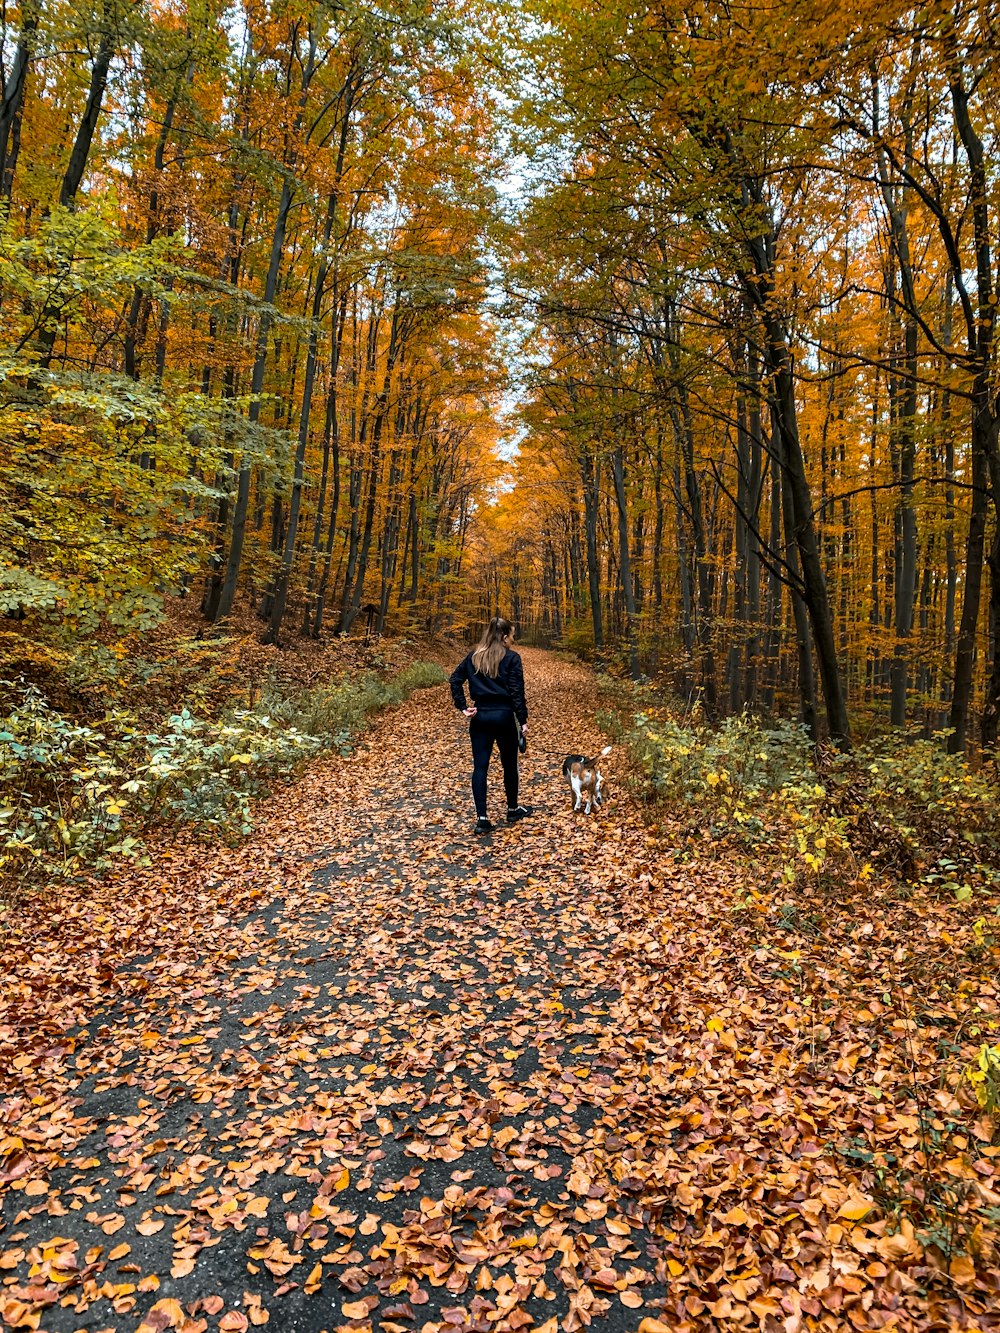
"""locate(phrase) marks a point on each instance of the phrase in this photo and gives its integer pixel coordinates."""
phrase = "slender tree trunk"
(284, 572)
(804, 529)
(152, 226)
(985, 459)
(75, 169)
(625, 559)
(242, 504)
(905, 423)
(12, 98)
(591, 505)
(906, 582)
(975, 549)
(353, 602)
(772, 643)
(800, 614)
(80, 154)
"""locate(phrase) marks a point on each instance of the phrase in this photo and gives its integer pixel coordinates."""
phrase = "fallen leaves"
(550, 1082)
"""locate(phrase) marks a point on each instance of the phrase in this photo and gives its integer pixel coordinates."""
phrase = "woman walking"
(495, 678)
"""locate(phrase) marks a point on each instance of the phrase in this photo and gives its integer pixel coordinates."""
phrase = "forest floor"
(365, 1071)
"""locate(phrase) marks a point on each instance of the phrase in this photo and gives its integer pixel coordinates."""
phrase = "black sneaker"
(521, 812)
(483, 826)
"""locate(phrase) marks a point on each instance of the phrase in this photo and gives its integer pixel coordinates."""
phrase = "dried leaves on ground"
(367, 1072)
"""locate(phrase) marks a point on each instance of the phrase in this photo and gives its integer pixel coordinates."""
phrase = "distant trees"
(782, 221)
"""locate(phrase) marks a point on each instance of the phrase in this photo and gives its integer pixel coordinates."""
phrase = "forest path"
(366, 1072)
(407, 1092)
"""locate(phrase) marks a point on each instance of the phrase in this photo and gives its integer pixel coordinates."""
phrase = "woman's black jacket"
(492, 694)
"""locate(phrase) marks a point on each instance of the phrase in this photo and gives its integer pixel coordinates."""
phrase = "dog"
(585, 779)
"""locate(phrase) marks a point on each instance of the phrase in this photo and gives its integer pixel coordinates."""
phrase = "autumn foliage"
(330, 329)
(759, 270)
(247, 353)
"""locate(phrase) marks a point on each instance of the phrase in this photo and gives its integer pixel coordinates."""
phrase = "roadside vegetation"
(82, 786)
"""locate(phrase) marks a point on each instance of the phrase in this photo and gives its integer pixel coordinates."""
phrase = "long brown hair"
(488, 652)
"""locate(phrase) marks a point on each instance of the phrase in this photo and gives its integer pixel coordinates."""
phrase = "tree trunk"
(284, 573)
(77, 164)
(591, 503)
(242, 504)
(800, 614)
(74, 175)
(975, 548)
(12, 99)
(625, 559)
(804, 529)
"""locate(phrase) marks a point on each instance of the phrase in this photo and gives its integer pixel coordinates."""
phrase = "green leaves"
(84, 795)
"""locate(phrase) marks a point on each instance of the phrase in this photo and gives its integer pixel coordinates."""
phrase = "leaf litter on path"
(367, 1072)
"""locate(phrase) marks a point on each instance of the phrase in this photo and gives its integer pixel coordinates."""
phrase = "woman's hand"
(524, 728)
(469, 712)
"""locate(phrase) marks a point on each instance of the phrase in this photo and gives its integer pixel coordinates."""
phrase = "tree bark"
(12, 98)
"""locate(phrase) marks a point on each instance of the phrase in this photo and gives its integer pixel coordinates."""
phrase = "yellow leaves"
(651, 1325)
(257, 1207)
(983, 1074)
(165, 1313)
(727, 1039)
(962, 1270)
(342, 1181)
(855, 1208)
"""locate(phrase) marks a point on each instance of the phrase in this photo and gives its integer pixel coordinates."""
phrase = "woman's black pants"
(485, 730)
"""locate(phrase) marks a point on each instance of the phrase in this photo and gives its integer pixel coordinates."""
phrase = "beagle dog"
(585, 779)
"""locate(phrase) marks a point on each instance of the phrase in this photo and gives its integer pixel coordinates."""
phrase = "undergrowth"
(895, 805)
(74, 796)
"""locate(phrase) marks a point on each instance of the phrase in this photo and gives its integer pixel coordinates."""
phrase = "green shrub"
(894, 801)
(336, 712)
(75, 796)
(420, 676)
